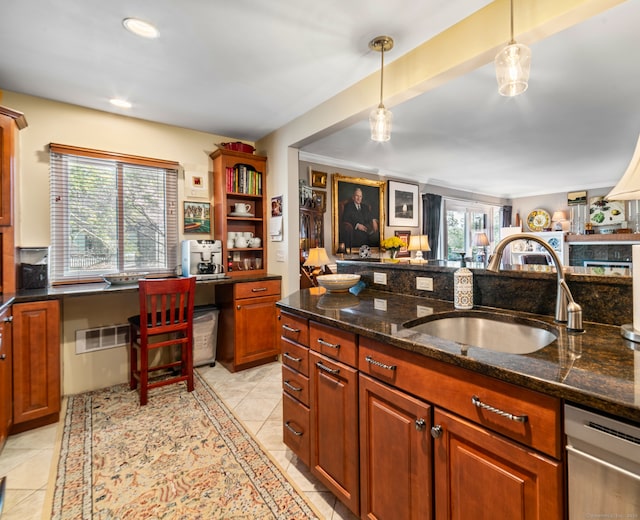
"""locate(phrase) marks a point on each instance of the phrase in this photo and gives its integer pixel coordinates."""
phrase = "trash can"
(205, 335)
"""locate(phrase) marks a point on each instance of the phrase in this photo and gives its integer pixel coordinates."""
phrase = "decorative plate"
(554, 243)
(365, 251)
(538, 220)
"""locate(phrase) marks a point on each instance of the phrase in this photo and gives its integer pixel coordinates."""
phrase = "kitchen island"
(359, 386)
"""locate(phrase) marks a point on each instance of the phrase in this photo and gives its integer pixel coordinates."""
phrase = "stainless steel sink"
(498, 332)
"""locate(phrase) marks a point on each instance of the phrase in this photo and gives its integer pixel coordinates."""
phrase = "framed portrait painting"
(197, 217)
(358, 213)
(318, 179)
(403, 204)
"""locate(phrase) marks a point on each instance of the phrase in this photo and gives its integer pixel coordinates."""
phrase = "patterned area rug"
(182, 456)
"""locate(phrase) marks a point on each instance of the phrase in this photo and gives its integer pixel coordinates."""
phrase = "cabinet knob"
(436, 431)
(238, 307)
(8, 319)
(420, 424)
(3, 357)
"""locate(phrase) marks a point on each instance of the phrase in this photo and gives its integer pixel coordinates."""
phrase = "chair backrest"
(167, 304)
(535, 259)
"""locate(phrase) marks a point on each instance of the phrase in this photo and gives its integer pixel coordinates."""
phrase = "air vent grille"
(101, 338)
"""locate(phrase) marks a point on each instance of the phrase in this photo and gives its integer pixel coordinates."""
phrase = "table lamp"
(481, 241)
(419, 243)
(559, 217)
(628, 188)
(317, 259)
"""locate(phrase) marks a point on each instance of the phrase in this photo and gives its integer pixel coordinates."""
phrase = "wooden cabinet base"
(35, 423)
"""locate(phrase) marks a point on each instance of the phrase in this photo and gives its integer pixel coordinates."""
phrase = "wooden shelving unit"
(240, 178)
(603, 238)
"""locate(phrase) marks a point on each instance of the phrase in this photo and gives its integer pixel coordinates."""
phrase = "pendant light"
(380, 118)
(513, 64)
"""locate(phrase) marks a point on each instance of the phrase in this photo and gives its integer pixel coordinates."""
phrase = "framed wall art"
(575, 198)
(403, 204)
(318, 179)
(196, 185)
(197, 217)
(358, 213)
(405, 236)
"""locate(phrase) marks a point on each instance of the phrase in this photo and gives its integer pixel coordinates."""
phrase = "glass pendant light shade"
(380, 120)
(513, 64)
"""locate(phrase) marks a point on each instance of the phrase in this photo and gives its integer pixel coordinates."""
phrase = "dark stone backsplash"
(604, 299)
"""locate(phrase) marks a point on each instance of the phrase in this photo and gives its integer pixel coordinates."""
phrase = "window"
(111, 213)
(463, 219)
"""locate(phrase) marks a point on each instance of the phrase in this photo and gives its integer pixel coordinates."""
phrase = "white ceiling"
(246, 67)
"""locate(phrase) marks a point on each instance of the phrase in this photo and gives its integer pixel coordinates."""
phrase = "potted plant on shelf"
(393, 245)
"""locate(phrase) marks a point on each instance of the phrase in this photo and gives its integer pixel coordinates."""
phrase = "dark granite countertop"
(88, 289)
(598, 368)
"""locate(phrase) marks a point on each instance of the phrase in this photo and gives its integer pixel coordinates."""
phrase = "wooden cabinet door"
(395, 454)
(36, 361)
(334, 428)
(6, 412)
(257, 330)
(481, 475)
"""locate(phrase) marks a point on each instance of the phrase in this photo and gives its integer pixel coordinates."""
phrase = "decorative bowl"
(338, 282)
(123, 278)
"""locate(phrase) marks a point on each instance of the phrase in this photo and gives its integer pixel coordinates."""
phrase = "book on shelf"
(243, 179)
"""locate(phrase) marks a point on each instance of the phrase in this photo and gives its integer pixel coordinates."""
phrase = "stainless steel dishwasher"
(604, 466)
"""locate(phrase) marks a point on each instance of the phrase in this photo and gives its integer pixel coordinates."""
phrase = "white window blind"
(111, 213)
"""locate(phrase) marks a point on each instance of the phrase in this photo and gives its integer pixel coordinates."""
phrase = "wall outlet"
(280, 255)
(380, 278)
(380, 304)
(424, 284)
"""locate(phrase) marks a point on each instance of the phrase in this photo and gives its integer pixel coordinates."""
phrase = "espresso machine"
(202, 259)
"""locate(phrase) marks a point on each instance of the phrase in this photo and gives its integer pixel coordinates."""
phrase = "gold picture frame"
(370, 232)
(318, 179)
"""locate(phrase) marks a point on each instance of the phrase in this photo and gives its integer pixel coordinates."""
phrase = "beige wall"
(68, 124)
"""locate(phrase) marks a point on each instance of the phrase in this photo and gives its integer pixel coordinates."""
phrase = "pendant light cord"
(382, 72)
(512, 40)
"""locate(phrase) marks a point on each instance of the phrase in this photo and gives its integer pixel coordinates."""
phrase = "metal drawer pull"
(293, 430)
(436, 431)
(372, 361)
(327, 369)
(289, 329)
(421, 424)
(258, 289)
(291, 387)
(327, 344)
(518, 418)
(291, 358)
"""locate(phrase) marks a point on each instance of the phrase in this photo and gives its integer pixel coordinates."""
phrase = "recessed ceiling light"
(120, 103)
(140, 27)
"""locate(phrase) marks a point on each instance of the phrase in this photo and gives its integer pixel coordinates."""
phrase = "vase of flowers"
(393, 245)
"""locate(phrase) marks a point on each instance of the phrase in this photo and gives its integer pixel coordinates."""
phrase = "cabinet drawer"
(295, 427)
(333, 343)
(474, 396)
(253, 289)
(294, 328)
(295, 384)
(295, 356)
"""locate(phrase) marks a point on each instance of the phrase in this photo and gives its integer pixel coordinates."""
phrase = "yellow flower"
(392, 243)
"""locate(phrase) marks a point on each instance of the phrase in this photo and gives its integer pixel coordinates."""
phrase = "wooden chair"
(167, 307)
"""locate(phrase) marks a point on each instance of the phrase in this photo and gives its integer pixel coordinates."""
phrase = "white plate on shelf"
(237, 214)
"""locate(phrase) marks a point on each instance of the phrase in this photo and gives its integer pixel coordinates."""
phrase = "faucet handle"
(574, 317)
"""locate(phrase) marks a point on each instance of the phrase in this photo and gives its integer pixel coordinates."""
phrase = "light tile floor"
(255, 397)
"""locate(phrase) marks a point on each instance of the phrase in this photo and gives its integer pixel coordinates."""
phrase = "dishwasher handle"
(608, 465)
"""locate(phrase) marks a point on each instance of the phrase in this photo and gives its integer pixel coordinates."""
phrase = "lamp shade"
(419, 243)
(317, 257)
(480, 239)
(559, 216)
(513, 64)
(380, 121)
(628, 187)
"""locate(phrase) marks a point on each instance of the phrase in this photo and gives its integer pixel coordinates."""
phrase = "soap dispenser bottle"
(463, 288)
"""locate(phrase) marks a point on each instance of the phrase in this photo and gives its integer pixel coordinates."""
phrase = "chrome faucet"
(567, 310)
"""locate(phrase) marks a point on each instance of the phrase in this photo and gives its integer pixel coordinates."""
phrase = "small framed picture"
(197, 217)
(575, 198)
(405, 236)
(403, 204)
(320, 199)
(318, 179)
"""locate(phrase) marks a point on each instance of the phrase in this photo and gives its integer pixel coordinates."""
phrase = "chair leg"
(189, 367)
(144, 373)
(133, 361)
